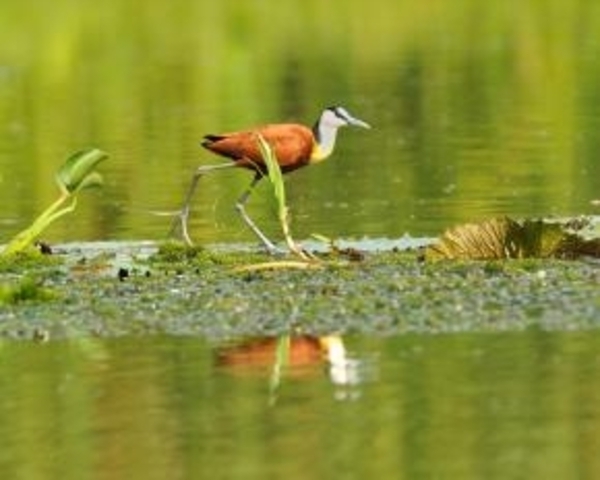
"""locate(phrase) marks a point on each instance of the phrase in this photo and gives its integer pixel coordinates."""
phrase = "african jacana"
(294, 146)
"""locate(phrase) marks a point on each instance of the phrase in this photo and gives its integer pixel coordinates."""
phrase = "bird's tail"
(208, 140)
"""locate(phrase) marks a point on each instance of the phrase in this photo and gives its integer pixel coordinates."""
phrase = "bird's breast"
(318, 154)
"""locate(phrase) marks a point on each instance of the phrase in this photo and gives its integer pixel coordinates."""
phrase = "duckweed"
(182, 291)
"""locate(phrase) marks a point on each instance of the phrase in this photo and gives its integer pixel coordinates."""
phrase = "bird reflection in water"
(298, 356)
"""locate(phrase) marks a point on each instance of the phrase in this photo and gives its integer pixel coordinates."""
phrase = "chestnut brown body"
(292, 144)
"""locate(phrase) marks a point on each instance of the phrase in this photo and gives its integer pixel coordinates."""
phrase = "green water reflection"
(463, 406)
(478, 109)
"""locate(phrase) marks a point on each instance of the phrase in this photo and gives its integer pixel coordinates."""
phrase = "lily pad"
(503, 237)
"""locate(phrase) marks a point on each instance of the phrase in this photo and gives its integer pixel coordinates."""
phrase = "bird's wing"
(291, 143)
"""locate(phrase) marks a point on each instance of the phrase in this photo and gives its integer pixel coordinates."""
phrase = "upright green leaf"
(77, 173)
(276, 179)
(78, 170)
(274, 173)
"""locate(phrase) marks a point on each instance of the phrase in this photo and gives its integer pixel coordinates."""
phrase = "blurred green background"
(478, 109)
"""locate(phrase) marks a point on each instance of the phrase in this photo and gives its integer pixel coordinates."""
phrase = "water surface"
(460, 406)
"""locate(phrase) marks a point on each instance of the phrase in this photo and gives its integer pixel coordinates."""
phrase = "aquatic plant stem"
(53, 212)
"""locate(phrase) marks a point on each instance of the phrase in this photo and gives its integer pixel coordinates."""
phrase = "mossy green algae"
(181, 292)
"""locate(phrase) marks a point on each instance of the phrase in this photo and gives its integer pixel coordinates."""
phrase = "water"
(476, 112)
(461, 406)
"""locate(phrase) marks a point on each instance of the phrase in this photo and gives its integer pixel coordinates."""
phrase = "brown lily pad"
(503, 237)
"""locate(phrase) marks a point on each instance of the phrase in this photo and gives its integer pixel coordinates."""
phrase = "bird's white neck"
(325, 136)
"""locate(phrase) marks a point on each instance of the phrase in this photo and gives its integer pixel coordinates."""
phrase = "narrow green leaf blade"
(273, 169)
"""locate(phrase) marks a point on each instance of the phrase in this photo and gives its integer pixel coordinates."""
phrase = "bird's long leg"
(182, 218)
(240, 207)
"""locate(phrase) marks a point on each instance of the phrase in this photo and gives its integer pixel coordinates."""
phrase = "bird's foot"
(298, 250)
(179, 227)
(274, 250)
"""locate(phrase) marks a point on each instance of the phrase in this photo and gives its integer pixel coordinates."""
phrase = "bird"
(294, 146)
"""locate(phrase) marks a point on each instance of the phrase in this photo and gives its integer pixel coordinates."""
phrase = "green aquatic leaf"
(93, 180)
(77, 173)
(540, 239)
(275, 177)
(274, 174)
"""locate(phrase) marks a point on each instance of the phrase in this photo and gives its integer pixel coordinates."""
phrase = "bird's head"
(335, 117)
(325, 130)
